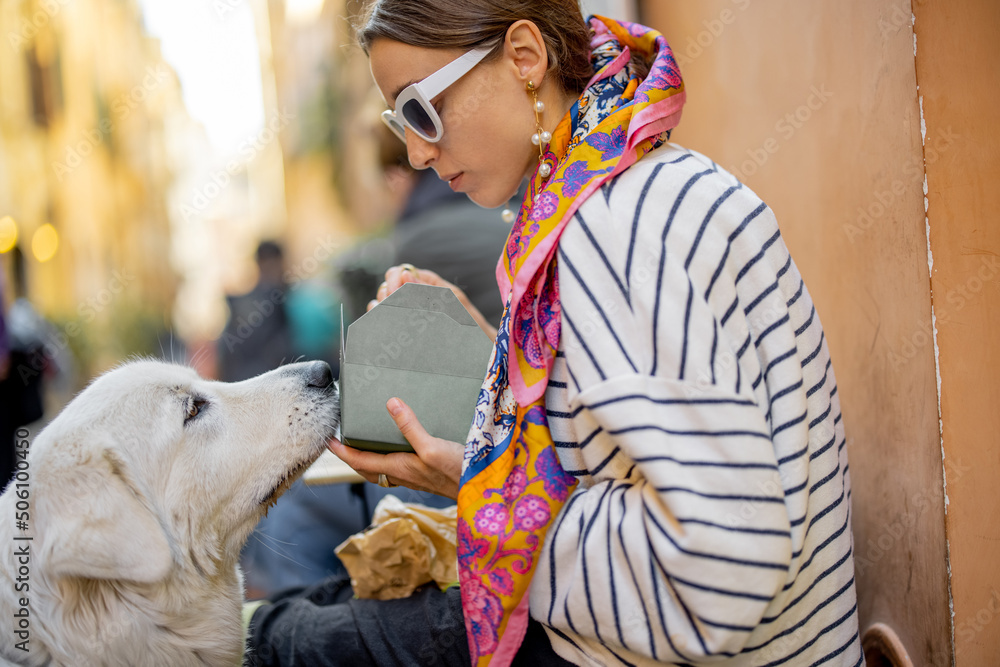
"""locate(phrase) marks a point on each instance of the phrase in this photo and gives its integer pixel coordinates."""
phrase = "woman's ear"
(525, 49)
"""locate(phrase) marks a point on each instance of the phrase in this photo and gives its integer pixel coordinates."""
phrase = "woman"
(657, 470)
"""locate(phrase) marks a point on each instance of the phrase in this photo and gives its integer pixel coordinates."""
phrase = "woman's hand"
(436, 465)
(396, 276)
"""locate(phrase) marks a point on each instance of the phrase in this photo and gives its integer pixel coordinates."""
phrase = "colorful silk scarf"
(513, 485)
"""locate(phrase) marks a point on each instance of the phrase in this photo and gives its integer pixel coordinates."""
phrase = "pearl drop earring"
(540, 138)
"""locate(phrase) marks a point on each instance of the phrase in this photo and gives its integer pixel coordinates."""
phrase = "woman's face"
(485, 149)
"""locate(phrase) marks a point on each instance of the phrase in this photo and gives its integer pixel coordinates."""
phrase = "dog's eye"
(195, 406)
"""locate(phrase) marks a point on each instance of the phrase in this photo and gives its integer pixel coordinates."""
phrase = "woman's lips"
(454, 181)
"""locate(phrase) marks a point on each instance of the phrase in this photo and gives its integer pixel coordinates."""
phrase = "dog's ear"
(99, 526)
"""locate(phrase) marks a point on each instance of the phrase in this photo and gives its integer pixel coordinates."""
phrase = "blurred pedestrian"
(257, 337)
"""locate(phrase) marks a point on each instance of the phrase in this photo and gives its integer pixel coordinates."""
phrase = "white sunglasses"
(414, 103)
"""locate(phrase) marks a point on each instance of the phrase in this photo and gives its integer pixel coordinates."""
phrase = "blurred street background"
(148, 147)
(208, 181)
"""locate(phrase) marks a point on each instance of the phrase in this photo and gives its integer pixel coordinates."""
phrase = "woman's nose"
(421, 153)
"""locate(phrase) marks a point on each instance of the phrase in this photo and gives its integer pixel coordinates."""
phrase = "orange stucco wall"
(815, 106)
(958, 67)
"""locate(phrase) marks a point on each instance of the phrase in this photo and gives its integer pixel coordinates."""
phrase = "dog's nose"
(318, 374)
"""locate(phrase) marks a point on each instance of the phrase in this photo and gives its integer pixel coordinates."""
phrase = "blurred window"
(45, 77)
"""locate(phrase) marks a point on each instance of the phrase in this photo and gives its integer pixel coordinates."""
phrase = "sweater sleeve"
(679, 556)
(678, 539)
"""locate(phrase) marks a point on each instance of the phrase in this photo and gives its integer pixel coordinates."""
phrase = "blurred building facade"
(334, 176)
(133, 227)
(85, 106)
(223, 205)
(333, 181)
(130, 225)
(341, 198)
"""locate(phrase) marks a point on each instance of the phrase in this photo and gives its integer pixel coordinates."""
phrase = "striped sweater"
(693, 397)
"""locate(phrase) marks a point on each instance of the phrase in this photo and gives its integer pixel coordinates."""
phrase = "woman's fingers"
(355, 458)
(397, 276)
(399, 467)
(441, 459)
(435, 466)
(407, 423)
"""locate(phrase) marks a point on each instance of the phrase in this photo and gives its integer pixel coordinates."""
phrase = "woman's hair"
(465, 24)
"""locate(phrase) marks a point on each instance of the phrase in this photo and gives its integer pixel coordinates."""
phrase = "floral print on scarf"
(513, 485)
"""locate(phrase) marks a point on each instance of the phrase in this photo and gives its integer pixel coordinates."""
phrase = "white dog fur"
(141, 494)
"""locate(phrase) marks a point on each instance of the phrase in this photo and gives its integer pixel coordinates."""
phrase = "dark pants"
(324, 625)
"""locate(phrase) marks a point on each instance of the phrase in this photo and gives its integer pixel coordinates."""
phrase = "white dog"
(137, 499)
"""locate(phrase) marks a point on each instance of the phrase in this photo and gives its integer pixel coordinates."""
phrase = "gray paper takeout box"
(421, 345)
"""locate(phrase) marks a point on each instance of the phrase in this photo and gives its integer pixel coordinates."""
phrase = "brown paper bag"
(407, 546)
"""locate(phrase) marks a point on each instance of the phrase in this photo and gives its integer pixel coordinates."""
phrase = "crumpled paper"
(407, 545)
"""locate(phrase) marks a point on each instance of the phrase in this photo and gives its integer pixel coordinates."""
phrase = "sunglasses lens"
(398, 128)
(389, 118)
(417, 117)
